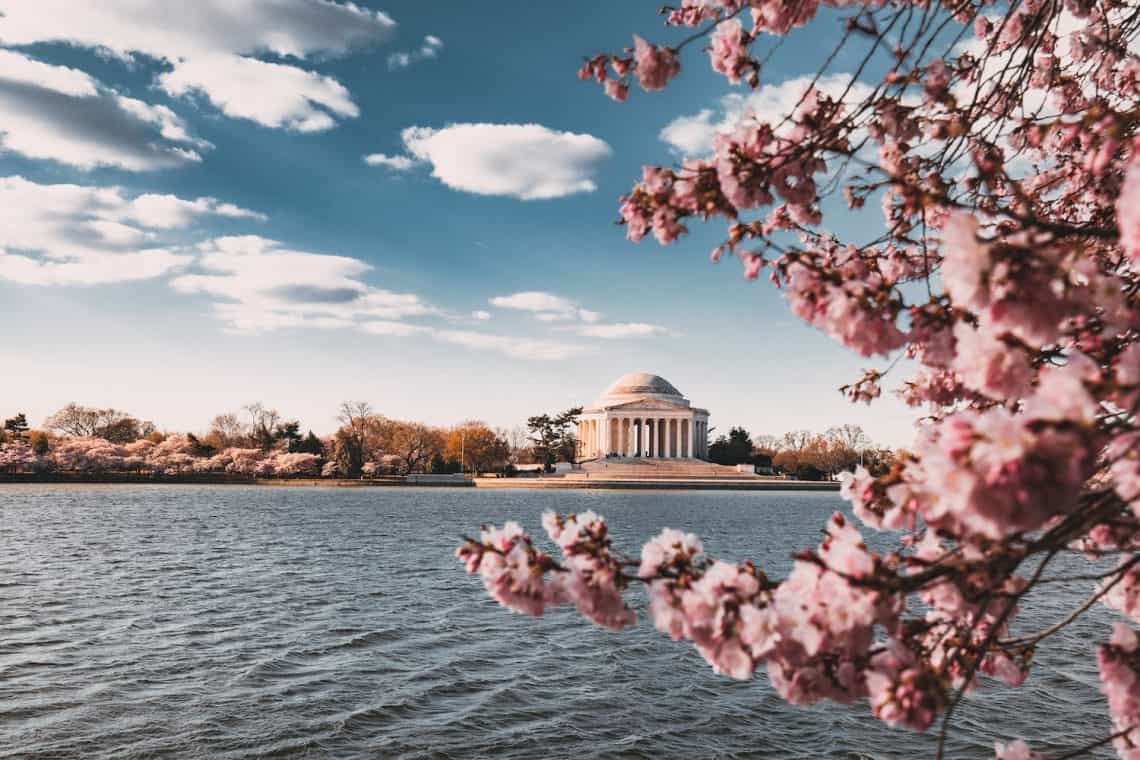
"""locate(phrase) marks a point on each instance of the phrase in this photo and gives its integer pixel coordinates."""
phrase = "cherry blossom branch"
(1033, 638)
(1099, 743)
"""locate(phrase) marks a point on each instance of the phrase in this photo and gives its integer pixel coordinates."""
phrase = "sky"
(301, 202)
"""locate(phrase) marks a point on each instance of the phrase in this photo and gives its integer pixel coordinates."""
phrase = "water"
(224, 622)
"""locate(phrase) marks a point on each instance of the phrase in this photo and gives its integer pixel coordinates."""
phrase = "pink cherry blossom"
(1128, 212)
(729, 50)
(655, 65)
(512, 570)
(1015, 750)
(992, 241)
(594, 582)
(1120, 681)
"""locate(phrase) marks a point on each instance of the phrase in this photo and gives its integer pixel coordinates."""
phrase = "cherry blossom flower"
(655, 65)
(1119, 665)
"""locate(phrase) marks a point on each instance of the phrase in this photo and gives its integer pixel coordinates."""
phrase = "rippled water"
(146, 621)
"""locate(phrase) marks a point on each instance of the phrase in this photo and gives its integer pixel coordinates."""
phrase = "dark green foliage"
(310, 444)
(198, 448)
(735, 448)
(17, 425)
(553, 437)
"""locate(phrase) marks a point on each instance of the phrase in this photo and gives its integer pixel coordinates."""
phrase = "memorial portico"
(643, 415)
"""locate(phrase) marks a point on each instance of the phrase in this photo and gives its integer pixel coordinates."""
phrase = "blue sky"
(189, 222)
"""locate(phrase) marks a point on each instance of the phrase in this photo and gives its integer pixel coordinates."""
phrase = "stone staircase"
(647, 468)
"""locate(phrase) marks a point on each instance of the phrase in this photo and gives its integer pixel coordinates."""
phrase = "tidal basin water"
(226, 622)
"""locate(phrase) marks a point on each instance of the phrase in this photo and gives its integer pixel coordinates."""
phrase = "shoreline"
(676, 484)
(397, 482)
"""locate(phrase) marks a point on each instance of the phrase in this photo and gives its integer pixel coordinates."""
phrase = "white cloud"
(428, 49)
(395, 163)
(551, 308)
(506, 345)
(170, 211)
(67, 234)
(16, 67)
(209, 45)
(481, 315)
(619, 330)
(265, 286)
(62, 114)
(527, 161)
(535, 300)
(547, 307)
(519, 348)
(161, 29)
(271, 94)
(389, 327)
(693, 135)
(90, 268)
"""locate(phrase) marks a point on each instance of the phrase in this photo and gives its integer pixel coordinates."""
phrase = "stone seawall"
(222, 480)
(672, 484)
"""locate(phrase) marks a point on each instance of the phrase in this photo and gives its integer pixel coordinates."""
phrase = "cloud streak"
(551, 308)
(67, 234)
(261, 285)
(620, 330)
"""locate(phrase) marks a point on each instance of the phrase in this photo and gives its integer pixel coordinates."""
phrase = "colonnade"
(628, 435)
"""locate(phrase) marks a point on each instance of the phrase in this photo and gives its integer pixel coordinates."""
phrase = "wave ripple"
(232, 622)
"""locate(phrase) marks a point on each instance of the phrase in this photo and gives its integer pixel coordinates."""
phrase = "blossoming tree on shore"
(1000, 141)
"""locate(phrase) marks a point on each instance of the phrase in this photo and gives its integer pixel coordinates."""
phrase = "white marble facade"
(643, 415)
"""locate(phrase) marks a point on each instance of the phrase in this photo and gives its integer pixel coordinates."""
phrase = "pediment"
(649, 405)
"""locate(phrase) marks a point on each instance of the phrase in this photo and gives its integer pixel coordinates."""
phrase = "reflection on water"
(146, 621)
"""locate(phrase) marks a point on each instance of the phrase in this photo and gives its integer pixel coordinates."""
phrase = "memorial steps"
(650, 468)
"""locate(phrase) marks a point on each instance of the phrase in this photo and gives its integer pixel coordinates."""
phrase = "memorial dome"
(637, 383)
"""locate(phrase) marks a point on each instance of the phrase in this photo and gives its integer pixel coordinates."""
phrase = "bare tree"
(228, 429)
(354, 417)
(83, 421)
(412, 442)
(263, 423)
(851, 436)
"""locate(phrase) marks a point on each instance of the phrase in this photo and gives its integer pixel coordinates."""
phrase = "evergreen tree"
(18, 425)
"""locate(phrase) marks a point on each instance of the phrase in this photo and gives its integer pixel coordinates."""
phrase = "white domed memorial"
(643, 415)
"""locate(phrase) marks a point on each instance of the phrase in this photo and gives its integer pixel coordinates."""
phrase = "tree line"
(804, 454)
(260, 440)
